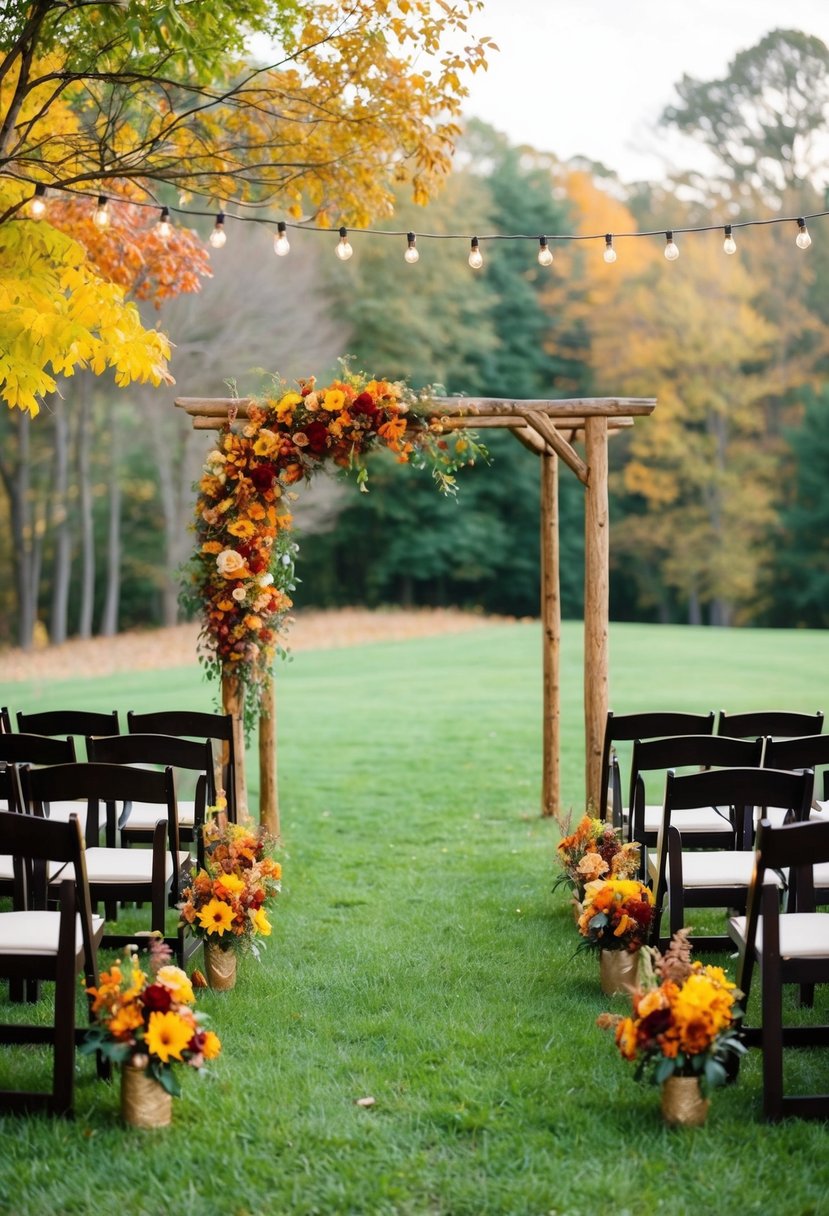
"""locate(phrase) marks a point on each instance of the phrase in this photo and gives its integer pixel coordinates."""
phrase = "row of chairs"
(711, 852)
(56, 869)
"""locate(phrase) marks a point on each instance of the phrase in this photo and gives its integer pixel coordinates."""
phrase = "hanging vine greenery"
(240, 577)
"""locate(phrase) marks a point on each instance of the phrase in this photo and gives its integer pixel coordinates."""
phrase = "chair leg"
(772, 1040)
(64, 1026)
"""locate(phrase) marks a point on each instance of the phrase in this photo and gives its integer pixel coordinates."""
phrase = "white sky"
(590, 77)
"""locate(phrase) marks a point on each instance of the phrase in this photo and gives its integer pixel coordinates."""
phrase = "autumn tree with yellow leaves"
(164, 94)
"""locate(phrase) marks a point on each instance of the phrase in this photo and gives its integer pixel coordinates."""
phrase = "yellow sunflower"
(216, 917)
(260, 922)
(167, 1036)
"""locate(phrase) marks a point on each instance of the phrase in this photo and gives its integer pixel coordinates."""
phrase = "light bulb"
(218, 236)
(281, 244)
(343, 249)
(100, 216)
(164, 228)
(609, 254)
(476, 259)
(411, 255)
(545, 253)
(802, 240)
(37, 203)
(671, 250)
(729, 245)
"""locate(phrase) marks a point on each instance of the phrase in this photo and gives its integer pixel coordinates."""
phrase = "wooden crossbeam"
(562, 449)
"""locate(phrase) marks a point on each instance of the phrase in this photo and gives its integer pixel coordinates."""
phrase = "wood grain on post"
(551, 636)
(232, 704)
(268, 788)
(596, 603)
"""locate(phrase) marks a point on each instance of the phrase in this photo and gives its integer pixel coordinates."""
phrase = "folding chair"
(193, 724)
(717, 878)
(624, 728)
(788, 948)
(78, 722)
(154, 875)
(138, 820)
(38, 944)
(703, 826)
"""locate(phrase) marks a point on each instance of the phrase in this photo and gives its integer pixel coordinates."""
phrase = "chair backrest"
(742, 788)
(21, 748)
(81, 722)
(103, 783)
(164, 750)
(32, 839)
(624, 728)
(808, 751)
(780, 723)
(679, 751)
(194, 724)
(5, 719)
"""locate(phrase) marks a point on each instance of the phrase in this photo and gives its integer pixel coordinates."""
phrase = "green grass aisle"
(420, 958)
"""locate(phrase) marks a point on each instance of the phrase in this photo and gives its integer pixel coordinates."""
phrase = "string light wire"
(344, 248)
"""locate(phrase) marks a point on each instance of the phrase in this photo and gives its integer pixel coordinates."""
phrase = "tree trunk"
(85, 501)
(19, 489)
(58, 628)
(694, 608)
(109, 615)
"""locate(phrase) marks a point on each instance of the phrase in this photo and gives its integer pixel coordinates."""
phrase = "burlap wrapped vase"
(682, 1102)
(144, 1103)
(618, 970)
(219, 966)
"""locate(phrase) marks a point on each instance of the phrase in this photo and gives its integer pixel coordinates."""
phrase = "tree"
(764, 121)
(161, 94)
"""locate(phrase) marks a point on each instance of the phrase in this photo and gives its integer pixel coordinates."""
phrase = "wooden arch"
(549, 429)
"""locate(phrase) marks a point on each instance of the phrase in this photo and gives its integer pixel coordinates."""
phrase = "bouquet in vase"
(594, 850)
(617, 914)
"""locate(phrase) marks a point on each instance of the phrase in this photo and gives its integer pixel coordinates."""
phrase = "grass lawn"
(419, 957)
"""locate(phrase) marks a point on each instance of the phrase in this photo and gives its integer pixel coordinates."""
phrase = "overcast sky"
(590, 77)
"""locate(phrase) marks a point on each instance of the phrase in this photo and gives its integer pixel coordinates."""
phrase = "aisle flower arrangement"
(594, 850)
(241, 574)
(147, 1021)
(617, 914)
(683, 1019)
(226, 901)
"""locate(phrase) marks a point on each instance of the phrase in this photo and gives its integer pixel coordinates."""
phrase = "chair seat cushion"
(123, 865)
(700, 819)
(718, 868)
(37, 932)
(820, 809)
(143, 816)
(802, 934)
(7, 867)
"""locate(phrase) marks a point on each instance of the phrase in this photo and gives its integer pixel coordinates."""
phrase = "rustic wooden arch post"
(549, 429)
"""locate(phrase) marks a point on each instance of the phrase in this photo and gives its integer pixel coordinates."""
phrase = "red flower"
(364, 404)
(157, 998)
(317, 435)
(263, 476)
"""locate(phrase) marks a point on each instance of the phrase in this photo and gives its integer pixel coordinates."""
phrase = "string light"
(411, 255)
(218, 236)
(37, 203)
(100, 217)
(802, 240)
(281, 244)
(36, 206)
(164, 228)
(343, 249)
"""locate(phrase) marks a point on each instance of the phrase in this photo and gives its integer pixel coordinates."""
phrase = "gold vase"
(219, 966)
(618, 970)
(682, 1102)
(144, 1103)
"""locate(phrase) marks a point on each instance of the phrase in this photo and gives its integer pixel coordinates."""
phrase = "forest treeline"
(720, 500)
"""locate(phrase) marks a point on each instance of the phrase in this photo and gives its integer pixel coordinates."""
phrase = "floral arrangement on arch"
(241, 574)
(683, 1019)
(594, 850)
(149, 1021)
(226, 901)
(617, 914)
